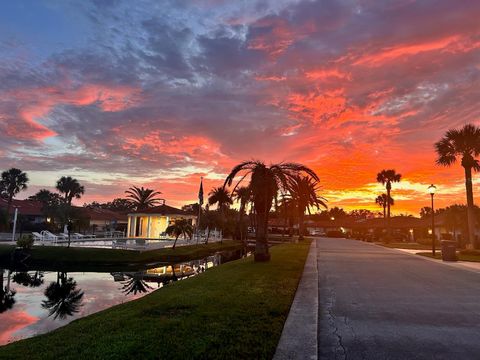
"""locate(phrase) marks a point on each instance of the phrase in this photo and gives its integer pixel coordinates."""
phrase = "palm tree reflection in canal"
(7, 296)
(63, 297)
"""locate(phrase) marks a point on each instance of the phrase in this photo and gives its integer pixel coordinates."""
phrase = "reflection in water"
(63, 297)
(7, 296)
(135, 284)
(26, 279)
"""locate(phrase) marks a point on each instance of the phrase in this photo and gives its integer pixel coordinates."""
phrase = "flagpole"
(200, 203)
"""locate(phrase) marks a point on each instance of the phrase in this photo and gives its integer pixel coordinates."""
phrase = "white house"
(151, 223)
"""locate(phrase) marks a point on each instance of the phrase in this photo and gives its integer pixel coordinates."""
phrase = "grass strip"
(411, 246)
(63, 256)
(460, 256)
(236, 310)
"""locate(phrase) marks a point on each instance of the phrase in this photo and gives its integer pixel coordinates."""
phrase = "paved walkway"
(380, 303)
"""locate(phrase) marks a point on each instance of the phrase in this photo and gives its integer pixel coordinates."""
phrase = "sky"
(159, 93)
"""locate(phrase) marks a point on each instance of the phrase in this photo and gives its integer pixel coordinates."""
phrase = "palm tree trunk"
(261, 243)
(389, 230)
(470, 208)
(301, 226)
(175, 242)
(384, 211)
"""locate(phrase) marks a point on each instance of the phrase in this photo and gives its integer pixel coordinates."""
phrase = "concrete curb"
(299, 336)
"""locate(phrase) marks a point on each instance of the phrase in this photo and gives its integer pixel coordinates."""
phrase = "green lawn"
(236, 310)
(464, 255)
(413, 246)
(94, 258)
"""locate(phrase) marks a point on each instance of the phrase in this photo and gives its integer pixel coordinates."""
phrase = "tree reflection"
(63, 297)
(135, 284)
(26, 279)
(7, 296)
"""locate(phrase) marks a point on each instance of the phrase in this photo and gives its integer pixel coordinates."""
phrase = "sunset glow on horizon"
(158, 94)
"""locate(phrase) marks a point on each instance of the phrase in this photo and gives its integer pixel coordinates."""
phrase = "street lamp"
(431, 189)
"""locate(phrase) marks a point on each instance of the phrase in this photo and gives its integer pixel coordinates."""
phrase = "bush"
(25, 242)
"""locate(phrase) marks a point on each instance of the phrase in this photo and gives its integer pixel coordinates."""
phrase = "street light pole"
(431, 190)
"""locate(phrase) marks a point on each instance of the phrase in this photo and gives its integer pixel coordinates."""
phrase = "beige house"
(152, 223)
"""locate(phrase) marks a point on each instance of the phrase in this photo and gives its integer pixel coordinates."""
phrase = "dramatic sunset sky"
(159, 93)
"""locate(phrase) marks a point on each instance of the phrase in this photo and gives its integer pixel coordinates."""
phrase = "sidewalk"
(299, 338)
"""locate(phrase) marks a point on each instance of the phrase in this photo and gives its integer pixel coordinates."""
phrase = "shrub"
(25, 242)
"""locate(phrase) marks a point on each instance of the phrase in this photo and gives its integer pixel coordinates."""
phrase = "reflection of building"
(151, 223)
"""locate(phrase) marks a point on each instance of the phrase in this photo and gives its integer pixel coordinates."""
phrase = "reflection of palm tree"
(135, 284)
(7, 296)
(63, 297)
(25, 279)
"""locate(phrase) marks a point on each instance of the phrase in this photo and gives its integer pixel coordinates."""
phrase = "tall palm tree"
(12, 182)
(304, 191)
(63, 297)
(265, 182)
(289, 212)
(143, 198)
(387, 177)
(221, 197)
(180, 227)
(462, 144)
(70, 188)
(383, 201)
(243, 196)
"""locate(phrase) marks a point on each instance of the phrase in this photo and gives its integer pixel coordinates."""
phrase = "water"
(35, 302)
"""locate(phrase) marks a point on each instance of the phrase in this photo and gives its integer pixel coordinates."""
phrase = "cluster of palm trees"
(14, 180)
(264, 186)
(456, 146)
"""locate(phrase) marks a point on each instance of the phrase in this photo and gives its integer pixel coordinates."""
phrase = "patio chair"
(37, 236)
(48, 236)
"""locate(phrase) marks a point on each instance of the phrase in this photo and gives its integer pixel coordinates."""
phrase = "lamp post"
(431, 189)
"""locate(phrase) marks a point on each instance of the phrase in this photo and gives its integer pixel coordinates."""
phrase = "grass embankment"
(462, 255)
(64, 257)
(236, 310)
(412, 246)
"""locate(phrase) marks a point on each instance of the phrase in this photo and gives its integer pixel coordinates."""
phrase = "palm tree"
(51, 202)
(143, 198)
(12, 182)
(387, 177)
(303, 190)
(462, 143)
(265, 182)
(382, 201)
(63, 297)
(243, 196)
(71, 189)
(221, 197)
(288, 206)
(180, 227)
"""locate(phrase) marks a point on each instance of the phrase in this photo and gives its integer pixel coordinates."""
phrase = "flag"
(200, 193)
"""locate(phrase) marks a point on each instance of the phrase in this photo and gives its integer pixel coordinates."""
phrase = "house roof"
(398, 222)
(162, 210)
(103, 214)
(25, 207)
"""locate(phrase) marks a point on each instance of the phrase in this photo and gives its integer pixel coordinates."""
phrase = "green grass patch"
(412, 246)
(70, 258)
(463, 255)
(236, 310)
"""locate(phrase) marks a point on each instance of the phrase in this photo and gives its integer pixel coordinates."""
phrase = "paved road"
(378, 303)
